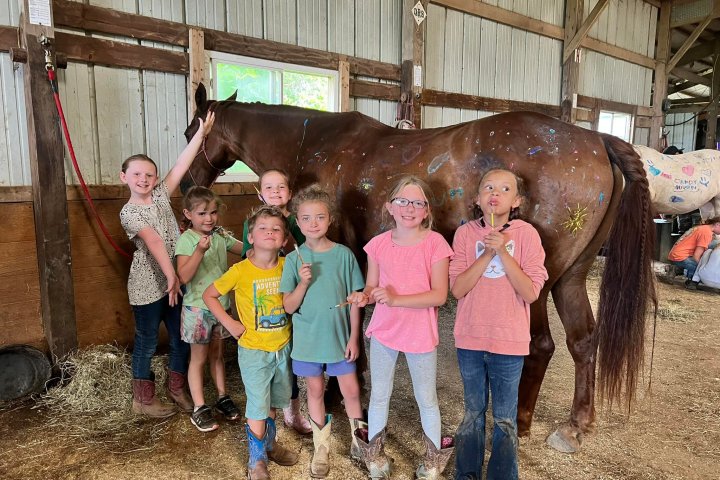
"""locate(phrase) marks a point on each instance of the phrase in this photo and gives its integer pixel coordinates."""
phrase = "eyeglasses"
(404, 202)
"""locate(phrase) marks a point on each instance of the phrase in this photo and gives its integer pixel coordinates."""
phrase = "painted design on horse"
(362, 158)
(685, 182)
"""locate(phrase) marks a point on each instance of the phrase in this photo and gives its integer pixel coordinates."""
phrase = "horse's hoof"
(565, 439)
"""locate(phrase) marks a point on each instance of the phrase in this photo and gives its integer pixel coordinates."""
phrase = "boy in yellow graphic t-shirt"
(263, 334)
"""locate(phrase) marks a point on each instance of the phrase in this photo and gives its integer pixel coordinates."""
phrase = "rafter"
(689, 41)
(692, 76)
(584, 28)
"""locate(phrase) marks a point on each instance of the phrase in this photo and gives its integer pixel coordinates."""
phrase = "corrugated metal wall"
(628, 24)
(113, 113)
(468, 54)
(682, 129)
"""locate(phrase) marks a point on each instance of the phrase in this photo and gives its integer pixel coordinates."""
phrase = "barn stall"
(127, 71)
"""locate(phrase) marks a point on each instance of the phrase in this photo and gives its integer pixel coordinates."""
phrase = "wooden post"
(344, 73)
(52, 232)
(197, 67)
(662, 55)
(413, 40)
(571, 67)
(713, 110)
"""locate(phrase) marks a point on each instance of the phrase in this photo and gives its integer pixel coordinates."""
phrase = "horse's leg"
(541, 351)
(573, 307)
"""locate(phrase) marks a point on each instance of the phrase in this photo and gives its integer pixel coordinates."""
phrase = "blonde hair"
(313, 193)
(408, 180)
(267, 211)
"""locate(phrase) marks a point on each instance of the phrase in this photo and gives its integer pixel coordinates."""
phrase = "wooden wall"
(103, 314)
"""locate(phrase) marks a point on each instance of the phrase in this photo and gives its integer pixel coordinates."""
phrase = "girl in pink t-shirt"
(496, 272)
(407, 279)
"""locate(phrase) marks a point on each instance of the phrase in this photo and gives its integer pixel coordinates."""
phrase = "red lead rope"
(86, 192)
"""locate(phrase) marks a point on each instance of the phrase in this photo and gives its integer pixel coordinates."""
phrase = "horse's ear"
(200, 97)
(232, 97)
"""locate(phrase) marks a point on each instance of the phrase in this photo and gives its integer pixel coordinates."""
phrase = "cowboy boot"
(146, 403)
(358, 428)
(177, 392)
(320, 463)
(294, 419)
(435, 459)
(276, 452)
(257, 456)
(373, 454)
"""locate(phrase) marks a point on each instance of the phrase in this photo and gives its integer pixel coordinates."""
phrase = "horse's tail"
(628, 280)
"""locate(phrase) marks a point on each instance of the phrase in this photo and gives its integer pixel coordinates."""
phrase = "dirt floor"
(672, 433)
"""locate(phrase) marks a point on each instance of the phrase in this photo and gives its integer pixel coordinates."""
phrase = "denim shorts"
(200, 326)
(314, 369)
(267, 380)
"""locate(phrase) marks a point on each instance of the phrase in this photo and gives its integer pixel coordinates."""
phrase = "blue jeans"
(147, 324)
(483, 373)
(688, 264)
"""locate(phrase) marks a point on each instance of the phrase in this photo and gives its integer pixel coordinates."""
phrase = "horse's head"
(213, 158)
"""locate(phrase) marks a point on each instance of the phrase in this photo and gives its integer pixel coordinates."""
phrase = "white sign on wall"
(39, 12)
(419, 13)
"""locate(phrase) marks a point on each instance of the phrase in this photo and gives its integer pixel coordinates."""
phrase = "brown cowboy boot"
(373, 454)
(276, 452)
(146, 403)
(435, 458)
(358, 429)
(177, 392)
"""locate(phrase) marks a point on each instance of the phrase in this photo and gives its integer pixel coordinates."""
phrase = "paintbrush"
(298, 252)
(259, 195)
(341, 305)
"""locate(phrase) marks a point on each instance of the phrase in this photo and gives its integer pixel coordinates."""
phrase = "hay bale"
(93, 400)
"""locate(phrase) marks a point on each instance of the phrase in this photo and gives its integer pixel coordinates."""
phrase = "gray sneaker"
(204, 420)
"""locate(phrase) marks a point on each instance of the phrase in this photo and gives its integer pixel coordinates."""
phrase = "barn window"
(616, 123)
(257, 80)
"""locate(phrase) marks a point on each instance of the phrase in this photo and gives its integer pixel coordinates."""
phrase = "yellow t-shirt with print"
(259, 304)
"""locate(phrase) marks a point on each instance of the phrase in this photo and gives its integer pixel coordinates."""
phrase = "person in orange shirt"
(689, 248)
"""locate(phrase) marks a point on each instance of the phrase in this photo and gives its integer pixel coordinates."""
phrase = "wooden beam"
(643, 122)
(687, 109)
(8, 38)
(281, 52)
(47, 167)
(506, 17)
(437, 98)
(344, 74)
(571, 66)
(713, 109)
(584, 101)
(689, 42)
(584, 29)
(119, 54)
(413, 62)
(196, 54)
(660, 80)
(582, 115)
(692, 76)
(380, 91)
(104, 20)
(617, 52)
(690, 101)
(699, 52)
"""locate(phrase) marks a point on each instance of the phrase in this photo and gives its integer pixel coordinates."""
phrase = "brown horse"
(579, 183)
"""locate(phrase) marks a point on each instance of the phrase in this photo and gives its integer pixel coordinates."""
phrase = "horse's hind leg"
(541, 351)
(573, 307)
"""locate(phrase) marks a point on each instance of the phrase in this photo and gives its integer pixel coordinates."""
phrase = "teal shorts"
(267, 378)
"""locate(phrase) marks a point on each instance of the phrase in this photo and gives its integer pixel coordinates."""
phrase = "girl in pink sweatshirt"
(496, 272)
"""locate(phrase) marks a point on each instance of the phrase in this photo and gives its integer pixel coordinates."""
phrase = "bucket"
(23, 370)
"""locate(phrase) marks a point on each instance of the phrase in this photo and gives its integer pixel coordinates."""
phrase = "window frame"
(630, 132)
(277, 68)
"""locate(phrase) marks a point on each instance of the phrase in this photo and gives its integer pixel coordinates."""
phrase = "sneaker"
(227, 407)
(690, 285)
(203, 419)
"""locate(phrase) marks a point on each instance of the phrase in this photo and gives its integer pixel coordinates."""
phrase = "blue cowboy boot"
(258, 458)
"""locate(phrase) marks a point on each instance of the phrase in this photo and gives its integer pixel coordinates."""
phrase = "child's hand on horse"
(206, 126)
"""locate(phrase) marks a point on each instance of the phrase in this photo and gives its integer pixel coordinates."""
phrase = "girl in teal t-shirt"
(320, 286)
(201, 254)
